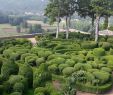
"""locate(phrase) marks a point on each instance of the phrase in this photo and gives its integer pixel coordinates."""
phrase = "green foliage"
(18, 87)
(89, 45)
(40, 61)
(31, 60)
(27, 72)
(1, 89)
(68, 71)
(41, 76)
(16, 93)
(8, 69)
(99, 52)
(70, 62)
(102, 76)
(53, 68)
(106, 46)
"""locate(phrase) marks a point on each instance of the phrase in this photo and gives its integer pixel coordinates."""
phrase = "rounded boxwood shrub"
(15, 56)
(90, 56)
(110, 40)
(102, 76)
(78, 66)
(89, 45)
(58, 60)
(16, 93)
(40, 90)
(39, 61)
(106, 46)
(19, 87)
(44, 54)
(9, 68)
(68, 71)
(31, 60)
(18, 79)
(99, 52)
(62, 66)
(1, 89)
(27, 72)
(23, 56)
(106, 69)
(70, 62)
(53, 68)
(41, 76)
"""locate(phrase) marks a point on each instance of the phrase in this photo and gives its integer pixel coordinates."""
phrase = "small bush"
(99, 52)
(27, 72)
(54, 69)
(106, 69)
(106, 46)
(102, 76)
(8, 69)
(18, 87)
(110, 40)
(62, 66)
(1, 89)
(70, 62)
(68, 71)
(31, 60)
(16, 93)
(41, 90)
(39, 61)
(89, 45)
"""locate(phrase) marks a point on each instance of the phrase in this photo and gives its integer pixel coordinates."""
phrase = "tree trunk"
(58, 29)
(92, 27)
(97, 29)
(67, 28)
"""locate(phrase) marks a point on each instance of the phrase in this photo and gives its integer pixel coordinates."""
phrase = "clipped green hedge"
(93, 89)
(89, 45)
(99, 52)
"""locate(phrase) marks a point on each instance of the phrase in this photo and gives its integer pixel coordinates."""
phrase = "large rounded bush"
(27, 72)
(68, 71)
(1, 89)
(40, 90)
(31, 60)
(102, 76)
(53, 68)
(99, 52)
(16, 93)
(58, 60)
(18, 79)
(89, 45)
(19, 87)
(8, 69)
(106, 46)
(39, 61)
(62, 66)
(70, 62)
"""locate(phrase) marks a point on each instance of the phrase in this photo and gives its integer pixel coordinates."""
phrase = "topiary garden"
(45, 68)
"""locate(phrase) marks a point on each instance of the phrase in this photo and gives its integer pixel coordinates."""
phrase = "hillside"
(22, 5)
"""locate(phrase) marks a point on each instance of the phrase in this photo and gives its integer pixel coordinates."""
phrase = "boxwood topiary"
(39, 61)
(70, 62)
(16, 93)
(27, 72)
(53, 68)
(68, 71)
(19, 87)
(99, 52)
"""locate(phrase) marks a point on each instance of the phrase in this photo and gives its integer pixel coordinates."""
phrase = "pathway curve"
(33, 41)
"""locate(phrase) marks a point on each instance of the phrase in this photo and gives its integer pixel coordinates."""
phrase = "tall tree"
(53, 12)
(84, 10)
(101, 8)
(68, 9)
